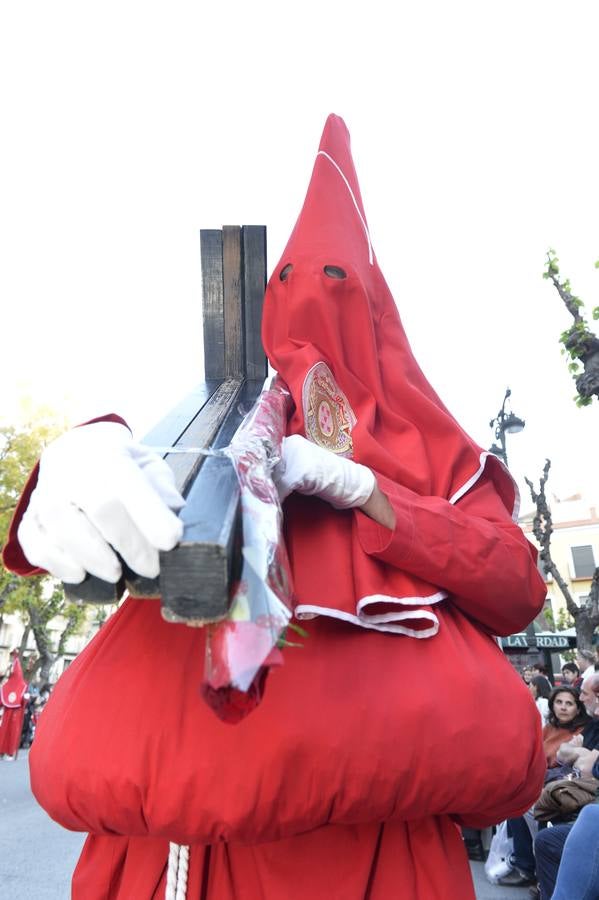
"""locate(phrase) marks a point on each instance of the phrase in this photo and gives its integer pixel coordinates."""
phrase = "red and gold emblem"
(328, 416)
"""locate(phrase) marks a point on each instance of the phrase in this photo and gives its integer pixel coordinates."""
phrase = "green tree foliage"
(563, 621)
(37, 600)
(580, 344)
(582, 347)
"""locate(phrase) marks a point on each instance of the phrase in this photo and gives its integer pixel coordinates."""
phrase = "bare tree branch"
(586, 616)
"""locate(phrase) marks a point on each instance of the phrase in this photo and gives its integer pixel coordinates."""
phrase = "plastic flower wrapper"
(241, 649)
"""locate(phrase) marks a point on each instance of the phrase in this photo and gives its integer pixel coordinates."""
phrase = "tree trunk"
(24, 642)
(42, 641)
(585, 628)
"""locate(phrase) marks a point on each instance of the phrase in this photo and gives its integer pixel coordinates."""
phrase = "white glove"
(310, 469)
(99, 492)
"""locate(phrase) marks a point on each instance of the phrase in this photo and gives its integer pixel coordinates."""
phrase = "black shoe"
(516, 878)
(475, 850)
(534, 892)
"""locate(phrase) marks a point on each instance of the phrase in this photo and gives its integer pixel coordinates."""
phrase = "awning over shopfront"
(543, 640)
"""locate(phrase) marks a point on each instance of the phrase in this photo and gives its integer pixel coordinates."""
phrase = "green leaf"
(298, 630)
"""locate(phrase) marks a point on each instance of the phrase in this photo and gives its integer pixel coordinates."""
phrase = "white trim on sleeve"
(390, 624)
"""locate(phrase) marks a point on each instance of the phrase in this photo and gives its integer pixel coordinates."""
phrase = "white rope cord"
(176, 872)
(171, 872)
(182, 873)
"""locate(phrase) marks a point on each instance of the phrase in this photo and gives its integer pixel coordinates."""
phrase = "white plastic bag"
(502, 846)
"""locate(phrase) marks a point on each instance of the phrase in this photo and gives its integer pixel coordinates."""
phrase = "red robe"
(370, 745)
(12, 701)
(355, 730)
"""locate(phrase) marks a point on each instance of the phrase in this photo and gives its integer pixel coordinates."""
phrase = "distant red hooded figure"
(399, 718)
(12, 702)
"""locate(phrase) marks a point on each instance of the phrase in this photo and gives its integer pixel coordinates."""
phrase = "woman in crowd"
(527, 675)
(567, 717)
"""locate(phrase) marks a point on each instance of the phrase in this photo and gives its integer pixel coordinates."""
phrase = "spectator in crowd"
(539, 669)
(583, 752)
(578, 872)
(571, 674)
(527, 674)
(567, 718)
(540, 688)
(585, 660)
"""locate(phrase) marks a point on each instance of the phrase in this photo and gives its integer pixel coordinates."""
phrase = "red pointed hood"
(11, 692)
(332, 330)
(332, 222)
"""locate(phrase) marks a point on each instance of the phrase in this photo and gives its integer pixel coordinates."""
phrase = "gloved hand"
(99, 492)
(310, 469)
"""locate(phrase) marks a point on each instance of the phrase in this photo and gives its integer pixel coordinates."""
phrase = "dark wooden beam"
(184, 426)
(254, 284)
(195, 577)
(211, 245)
(201, 432)
(233, 302)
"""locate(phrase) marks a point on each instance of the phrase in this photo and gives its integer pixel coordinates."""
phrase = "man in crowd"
(571, 674)
(586, 663)
(578, 874)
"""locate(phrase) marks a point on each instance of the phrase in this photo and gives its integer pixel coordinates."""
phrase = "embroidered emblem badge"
(328, 416)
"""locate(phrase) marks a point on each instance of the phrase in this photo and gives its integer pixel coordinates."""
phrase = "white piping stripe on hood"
(355, 202)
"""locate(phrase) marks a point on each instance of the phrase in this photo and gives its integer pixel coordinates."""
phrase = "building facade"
(574, 550)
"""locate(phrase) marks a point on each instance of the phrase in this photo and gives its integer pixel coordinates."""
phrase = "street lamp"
(509, 423)
(504, 423)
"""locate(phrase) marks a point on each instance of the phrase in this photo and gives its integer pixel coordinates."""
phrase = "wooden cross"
(196, 576)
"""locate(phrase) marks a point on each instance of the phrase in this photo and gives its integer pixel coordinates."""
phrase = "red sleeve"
(12, 555)
(474, 550)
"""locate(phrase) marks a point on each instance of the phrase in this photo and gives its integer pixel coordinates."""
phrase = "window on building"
(583, 560)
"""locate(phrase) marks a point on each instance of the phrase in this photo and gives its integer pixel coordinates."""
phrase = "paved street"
(37, 856)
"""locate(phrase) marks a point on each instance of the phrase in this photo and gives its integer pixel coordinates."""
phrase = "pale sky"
(129, 126)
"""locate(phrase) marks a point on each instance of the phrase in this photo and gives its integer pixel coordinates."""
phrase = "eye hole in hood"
(283, 274)
(335, 272)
